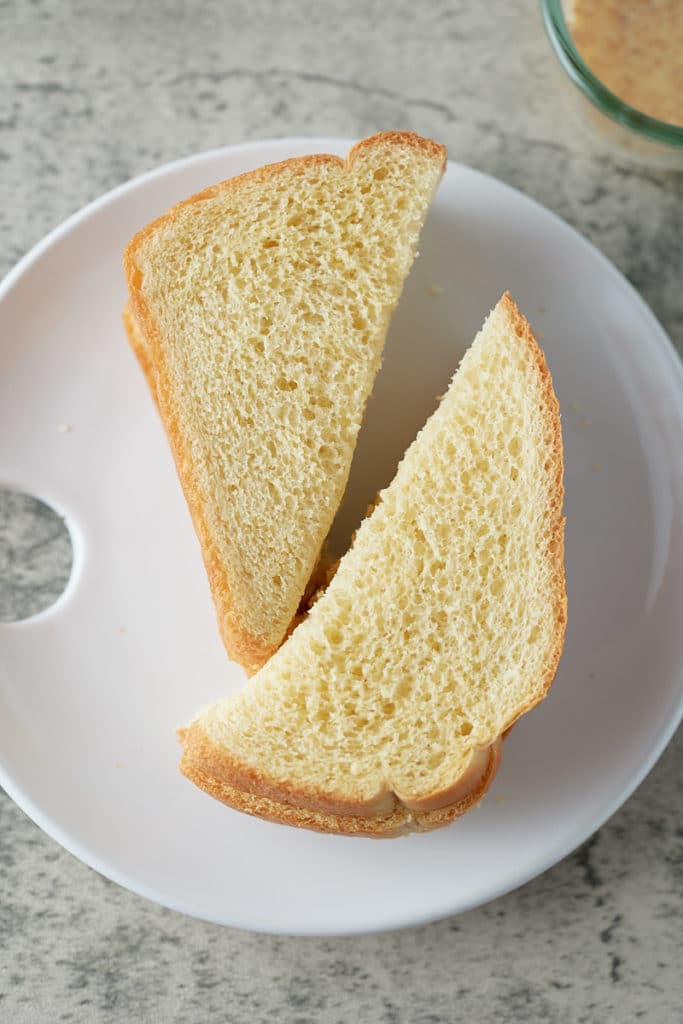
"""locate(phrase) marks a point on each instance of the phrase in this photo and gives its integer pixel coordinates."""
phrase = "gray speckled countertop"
(94, 93)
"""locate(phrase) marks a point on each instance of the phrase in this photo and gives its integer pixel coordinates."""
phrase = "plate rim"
(664, 348)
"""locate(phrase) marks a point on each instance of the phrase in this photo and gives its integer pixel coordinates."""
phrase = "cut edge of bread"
(385, 815)
(144, 335)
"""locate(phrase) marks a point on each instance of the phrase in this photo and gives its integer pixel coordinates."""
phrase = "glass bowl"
(642, 137)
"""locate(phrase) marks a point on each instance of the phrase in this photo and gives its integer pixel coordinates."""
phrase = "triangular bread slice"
(384, 710)
(259, 310)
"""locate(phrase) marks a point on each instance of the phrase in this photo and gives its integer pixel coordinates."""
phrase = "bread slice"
(264, 304)
(385, 709)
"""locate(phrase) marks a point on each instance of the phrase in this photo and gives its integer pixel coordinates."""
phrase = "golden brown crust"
(553, 442)
(432, 149)
(249, 650)
(140, 348)
(200, 751)
(199, 763)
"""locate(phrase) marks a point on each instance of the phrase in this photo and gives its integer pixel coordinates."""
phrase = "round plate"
(92, 690)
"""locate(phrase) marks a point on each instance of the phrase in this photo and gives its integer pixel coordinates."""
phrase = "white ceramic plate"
(91, 691)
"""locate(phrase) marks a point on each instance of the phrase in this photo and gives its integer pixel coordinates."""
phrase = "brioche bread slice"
(264, 304)
(385, 709)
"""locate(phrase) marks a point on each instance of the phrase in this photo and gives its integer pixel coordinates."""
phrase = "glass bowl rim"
(591, 86)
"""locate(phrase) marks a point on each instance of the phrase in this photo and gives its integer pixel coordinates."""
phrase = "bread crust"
(243, 646)
(385, 814)
(141, 349)
(206, 766)
(553, 438)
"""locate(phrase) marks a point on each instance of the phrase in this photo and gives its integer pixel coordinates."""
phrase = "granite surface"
(91, 94)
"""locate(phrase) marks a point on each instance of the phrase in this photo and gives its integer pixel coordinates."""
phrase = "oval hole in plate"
(36, 555)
